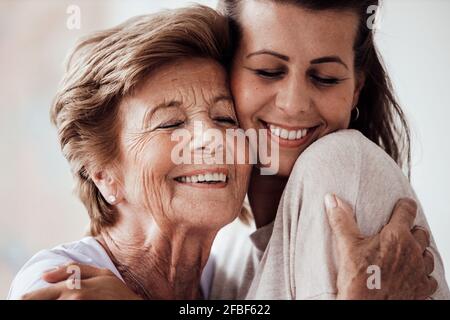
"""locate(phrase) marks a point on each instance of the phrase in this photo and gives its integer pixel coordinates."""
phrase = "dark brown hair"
(381, 118)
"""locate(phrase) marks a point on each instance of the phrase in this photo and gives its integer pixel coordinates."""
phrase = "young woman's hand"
(399, 252)
(95, 284)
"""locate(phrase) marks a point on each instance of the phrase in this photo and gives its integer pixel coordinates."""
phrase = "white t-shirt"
(85, 251)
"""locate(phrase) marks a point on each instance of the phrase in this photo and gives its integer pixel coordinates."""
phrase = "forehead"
(185, 79)
(297, 31)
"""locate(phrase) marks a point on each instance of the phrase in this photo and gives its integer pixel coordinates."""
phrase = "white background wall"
(414, 39)
(38, 209)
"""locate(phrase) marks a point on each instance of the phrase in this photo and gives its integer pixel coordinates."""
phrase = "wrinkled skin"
(400, 254)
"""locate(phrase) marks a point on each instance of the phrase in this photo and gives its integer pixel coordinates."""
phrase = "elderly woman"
(153, 222)
(126, 90)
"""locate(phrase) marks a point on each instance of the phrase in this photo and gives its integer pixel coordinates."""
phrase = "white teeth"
(292, 135)
(207, 177)
(288, 134)
(304, 132)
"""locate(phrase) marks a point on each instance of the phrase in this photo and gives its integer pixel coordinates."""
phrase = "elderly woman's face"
(179, 96)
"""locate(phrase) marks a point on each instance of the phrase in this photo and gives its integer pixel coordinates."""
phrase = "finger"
(49, 293)
(342, 220)
(428, 259)
(404, 213)
(429, 288)
(432, 285)
(81, 271)
(422, 237)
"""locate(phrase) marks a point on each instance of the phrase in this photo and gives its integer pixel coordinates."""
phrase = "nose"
(207, 138)
(292, 98)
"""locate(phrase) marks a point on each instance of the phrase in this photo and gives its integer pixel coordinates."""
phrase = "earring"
(357, 114)
(112, 199)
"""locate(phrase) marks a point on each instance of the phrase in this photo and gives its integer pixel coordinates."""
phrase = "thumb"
(342, 220)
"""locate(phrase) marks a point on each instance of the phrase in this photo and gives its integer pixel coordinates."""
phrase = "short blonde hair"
(107, 66)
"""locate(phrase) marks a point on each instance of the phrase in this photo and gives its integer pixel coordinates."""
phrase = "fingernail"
(411, 204)
(330, 201)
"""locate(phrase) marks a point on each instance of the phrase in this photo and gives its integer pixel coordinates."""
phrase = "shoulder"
(343, 143)
(86, 251)
(341, 150)
(336, 154)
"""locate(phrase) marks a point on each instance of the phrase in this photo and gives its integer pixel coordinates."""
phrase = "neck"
(157, 263)
(264, 195)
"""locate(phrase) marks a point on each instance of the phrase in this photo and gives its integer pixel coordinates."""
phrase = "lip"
(291, 144)
(217, 185)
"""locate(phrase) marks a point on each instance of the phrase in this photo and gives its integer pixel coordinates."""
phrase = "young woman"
(305, 70)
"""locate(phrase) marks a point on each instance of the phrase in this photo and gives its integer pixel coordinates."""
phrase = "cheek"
(146, 183)
(335, 107)
(249, 97)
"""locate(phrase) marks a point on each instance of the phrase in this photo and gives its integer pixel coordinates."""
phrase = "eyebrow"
(320, 60)
(269, 52)
(169, 103)
(222, 97)
(328, 59)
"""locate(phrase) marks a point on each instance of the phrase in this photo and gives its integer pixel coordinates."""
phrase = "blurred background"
(38, 209)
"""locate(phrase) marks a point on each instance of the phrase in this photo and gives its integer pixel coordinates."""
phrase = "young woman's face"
(294, 74)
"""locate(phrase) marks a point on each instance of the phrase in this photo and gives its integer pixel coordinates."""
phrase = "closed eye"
(171, 125)
(227, 120)
(325, 81)
(269, 74)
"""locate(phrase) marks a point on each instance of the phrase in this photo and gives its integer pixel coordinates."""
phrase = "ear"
(359, 85)
(108, 186)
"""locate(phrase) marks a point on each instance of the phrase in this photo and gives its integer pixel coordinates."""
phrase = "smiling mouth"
(290, 137)
(204, 179)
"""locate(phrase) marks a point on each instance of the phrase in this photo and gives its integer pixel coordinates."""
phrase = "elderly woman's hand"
(95, 284)
(399, 251)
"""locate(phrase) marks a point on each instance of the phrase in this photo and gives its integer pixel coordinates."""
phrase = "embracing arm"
(95, 284)
(324, 256)
(399, 252)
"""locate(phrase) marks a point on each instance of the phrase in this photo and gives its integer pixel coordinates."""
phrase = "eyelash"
(169, 125)
(228, 120)
(268, 74)
(327, 82)
(272, 75)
